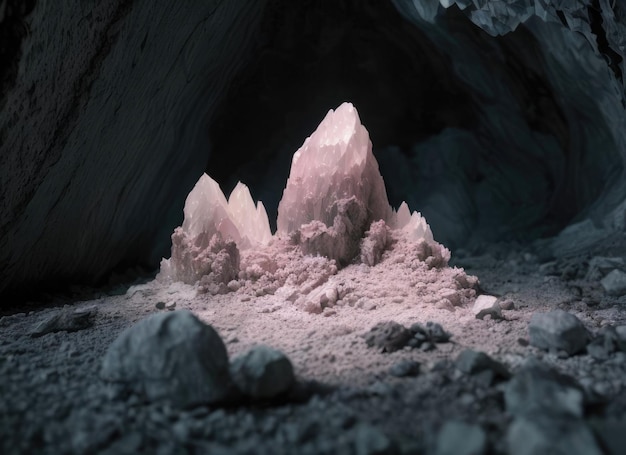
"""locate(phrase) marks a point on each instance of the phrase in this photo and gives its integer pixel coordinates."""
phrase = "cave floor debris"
(53, 400)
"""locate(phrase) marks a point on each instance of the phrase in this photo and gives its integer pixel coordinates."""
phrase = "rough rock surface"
(65, 320)
(172, 357)
(388, 336)
(346, 399)
(537, 389)
(557, 330)
(262, 373)
(459, 438)
(614, 283)
(116, 104)
(473, 362)
(542, 434)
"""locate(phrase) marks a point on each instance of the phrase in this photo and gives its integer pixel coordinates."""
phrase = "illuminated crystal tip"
(334, 163)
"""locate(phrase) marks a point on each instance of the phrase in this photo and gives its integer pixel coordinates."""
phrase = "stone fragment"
(543, 434)
(171, 306)
(537, 389)
(160, 305)
(430, 332)
(614, 283)
(388, 336)
(66, 320)
(487, 305)
(405, 368)
(557, 330)
(369, 440)
(172, 357)
(263, 373)
(460, 438)
(600, 266)
(473, 362)
(319, 299)
(604, 344)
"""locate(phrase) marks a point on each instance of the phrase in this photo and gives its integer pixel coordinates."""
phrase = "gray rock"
(405, 368)
(604, 344)
(557, 330)
(543, 434)
(600, 266)
(369, 440)
(473, 362)
(263, 372)
(172, 357)
(537, 389)
(389, 336)
(66, 320)
(459, 438)
(614, 283)
(430, 332)
(487, 305)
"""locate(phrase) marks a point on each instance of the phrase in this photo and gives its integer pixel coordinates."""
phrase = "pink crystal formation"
(213, 232)
(336, 162)
(335, 190)
(333, 195)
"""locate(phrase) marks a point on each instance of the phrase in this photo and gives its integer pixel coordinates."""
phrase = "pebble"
(389, 336)
(263, 373)
(405, 368)
(557, 330)
(473, 362)
(614, 283)
(369, 440)
(487, 305)
(460, 438)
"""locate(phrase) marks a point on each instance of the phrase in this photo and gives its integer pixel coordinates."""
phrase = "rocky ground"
(546, 383)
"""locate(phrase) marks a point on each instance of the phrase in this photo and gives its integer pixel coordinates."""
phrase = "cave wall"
(101, 130)
(107, 107)
(582, 46)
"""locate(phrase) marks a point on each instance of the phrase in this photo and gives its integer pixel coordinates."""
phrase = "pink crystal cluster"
(334, 205)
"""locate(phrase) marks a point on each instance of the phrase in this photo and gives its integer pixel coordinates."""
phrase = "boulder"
(172, 357)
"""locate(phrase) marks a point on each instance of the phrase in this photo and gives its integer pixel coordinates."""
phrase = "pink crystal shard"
(335, 163)
(210, 223)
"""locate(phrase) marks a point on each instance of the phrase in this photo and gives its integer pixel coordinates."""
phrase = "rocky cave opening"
(438, 137)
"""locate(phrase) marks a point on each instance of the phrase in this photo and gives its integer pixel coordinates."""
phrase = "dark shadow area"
(311, 60)
(443, 145)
